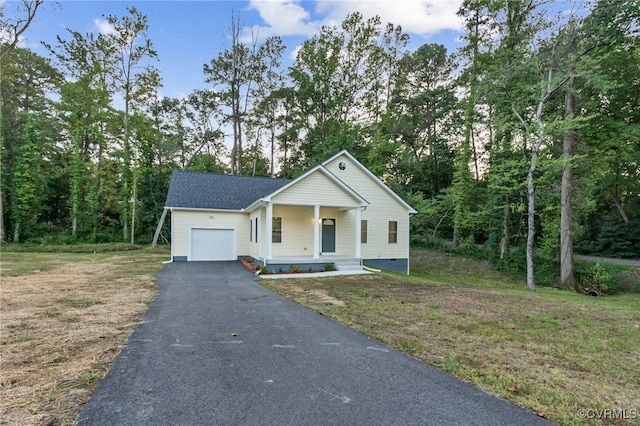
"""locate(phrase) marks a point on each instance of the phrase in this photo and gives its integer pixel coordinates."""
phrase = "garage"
(213, 244)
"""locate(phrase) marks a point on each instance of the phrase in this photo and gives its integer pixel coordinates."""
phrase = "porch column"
(358, 231)
(316, 232)
(269, 223)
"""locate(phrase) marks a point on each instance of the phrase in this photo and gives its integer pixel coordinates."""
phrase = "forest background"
(525, 141)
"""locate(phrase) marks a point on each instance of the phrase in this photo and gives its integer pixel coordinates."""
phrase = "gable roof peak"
(373, 177)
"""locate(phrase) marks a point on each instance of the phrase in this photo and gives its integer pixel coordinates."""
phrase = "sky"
(188, 34)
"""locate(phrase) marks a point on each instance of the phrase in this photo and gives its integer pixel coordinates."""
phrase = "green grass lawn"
(553, 352)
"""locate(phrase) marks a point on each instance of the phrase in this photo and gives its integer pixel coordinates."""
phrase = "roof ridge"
(229, 175)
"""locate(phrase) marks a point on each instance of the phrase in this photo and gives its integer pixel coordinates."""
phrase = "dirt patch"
(61, 329)
(321, 296)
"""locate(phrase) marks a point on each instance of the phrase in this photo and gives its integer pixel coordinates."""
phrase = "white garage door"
(212, 244)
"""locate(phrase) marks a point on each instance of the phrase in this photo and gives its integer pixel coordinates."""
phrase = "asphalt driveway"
(216, 348)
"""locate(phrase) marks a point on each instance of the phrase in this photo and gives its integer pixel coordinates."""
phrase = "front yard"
(573, 359)
(64, 318)
(568, 357)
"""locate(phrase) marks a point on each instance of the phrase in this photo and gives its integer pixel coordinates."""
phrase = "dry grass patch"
(64, 319)
(550, 351)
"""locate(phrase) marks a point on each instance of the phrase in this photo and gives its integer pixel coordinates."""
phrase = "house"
(337, 212)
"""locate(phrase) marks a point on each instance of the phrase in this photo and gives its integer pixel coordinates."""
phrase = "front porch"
(309, 263)
(309, 224)
(308, 236)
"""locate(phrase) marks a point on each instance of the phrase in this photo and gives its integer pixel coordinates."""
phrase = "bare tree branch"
(13, 31)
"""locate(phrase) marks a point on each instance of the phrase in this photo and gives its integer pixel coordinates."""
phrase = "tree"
(567, 269)
(337, 80)
(420, 118)
(233, 73)
(131, 49)
(202, 107)
(10, 32)
(26, 186)
(26, 79)
(12, 29)
(86, 113)
(609, 92)
(479, 17)
(268, 94)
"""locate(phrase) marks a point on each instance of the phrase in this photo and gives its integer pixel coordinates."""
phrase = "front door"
(328, 235)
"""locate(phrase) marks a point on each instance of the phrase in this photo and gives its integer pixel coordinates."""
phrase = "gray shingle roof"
(216, 191)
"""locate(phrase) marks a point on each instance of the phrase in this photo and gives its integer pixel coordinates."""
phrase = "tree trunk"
(126, 170)
(2, 241)
(273, 147)
(75, 183)
(567, 273)
(133, 208)
(531, 228)
(504, 241)
(616, 201)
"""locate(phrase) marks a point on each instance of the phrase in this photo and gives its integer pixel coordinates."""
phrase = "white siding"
(184, 220)
(254, 244)
(345, 229)
(297, 231)
(382, 209)
(316, 188)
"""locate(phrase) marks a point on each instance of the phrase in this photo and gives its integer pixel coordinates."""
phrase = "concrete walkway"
(216, 348)
(312, 274)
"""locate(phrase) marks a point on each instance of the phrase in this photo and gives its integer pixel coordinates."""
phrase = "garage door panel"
(212, 244)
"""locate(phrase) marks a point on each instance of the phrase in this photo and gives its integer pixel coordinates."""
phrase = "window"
(256, 229)
(393, 232)
(276, 230)
(251, 230)
(363, 231)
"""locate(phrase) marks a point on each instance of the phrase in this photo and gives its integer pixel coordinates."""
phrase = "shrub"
(598, 279)
(264, 270)
(294, 268)
(328, 266)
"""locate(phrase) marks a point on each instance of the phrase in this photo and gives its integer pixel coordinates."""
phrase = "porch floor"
(324, 258)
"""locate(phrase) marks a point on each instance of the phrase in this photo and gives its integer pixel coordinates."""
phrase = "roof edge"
(206, 209)
(374, 177)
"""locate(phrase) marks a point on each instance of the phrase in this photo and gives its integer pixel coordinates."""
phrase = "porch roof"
(349, 199)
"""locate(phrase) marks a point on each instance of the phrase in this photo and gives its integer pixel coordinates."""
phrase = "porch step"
(348, 265)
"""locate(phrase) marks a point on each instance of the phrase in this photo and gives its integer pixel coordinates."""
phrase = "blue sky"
(187, 34)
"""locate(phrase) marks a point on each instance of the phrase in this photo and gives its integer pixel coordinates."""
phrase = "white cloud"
(283, 18)
(104, 27)
(289, 17)
(423, 17)
(7, 36)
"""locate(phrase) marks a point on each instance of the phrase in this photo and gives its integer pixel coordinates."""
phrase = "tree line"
(525, 140)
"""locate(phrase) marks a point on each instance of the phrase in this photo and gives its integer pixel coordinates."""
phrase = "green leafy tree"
(234, 75)
(337, 80)
(26, 185)
(10, 32)
(26, 80)
(606, 159)
(131, 51)
(86, 113)
(421, 119)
